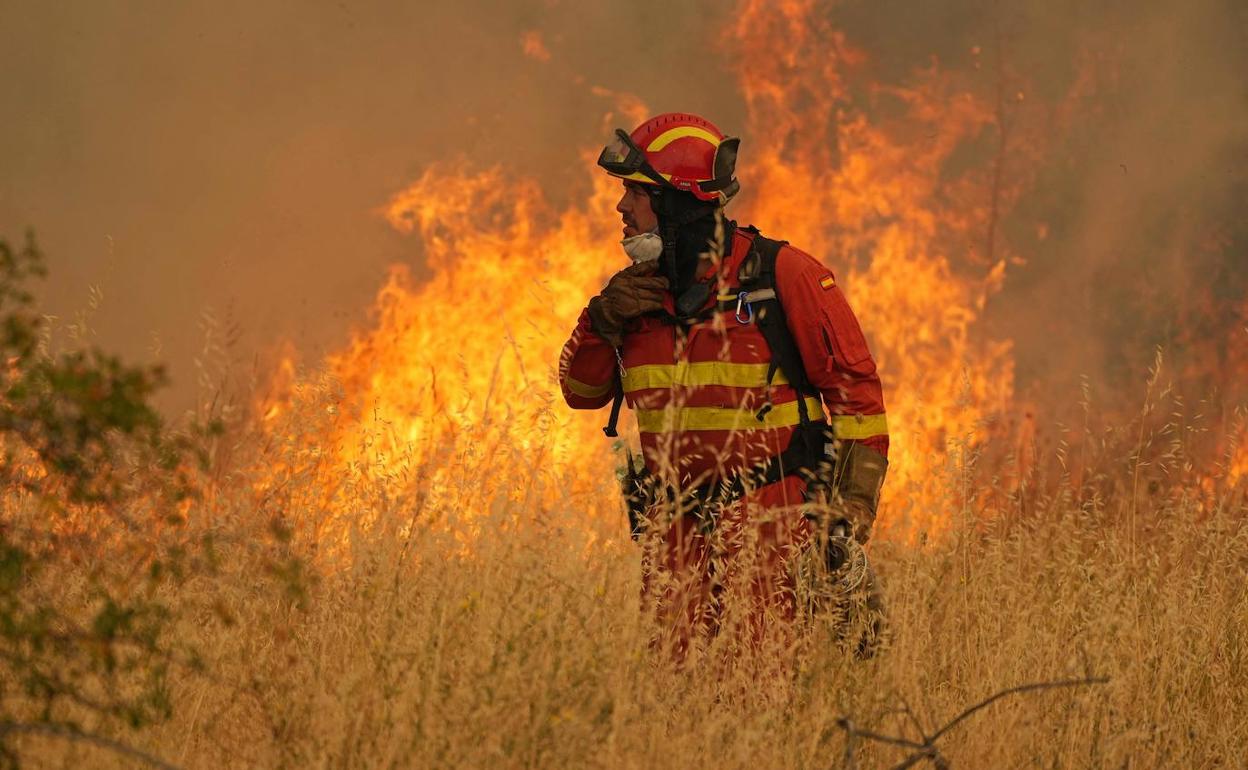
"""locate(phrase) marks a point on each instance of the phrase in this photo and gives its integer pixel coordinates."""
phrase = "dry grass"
(502, 630)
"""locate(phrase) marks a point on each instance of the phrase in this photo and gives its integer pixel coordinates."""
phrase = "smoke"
(1127, 147)
(1134, 228)
(229, 158)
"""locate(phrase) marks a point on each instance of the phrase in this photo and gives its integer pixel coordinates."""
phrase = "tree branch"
(60, 731)
(1014, 691)
(927, 748)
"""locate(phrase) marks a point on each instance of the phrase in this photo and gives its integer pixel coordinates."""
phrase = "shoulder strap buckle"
(751, 268)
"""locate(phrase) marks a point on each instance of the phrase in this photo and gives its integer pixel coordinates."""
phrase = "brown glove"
(630, 293)
(859, 518)
(829, 511)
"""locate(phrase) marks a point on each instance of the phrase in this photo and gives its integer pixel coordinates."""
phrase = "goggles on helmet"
(623, 157)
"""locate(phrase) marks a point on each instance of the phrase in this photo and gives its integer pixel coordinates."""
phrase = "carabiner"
(749, 309)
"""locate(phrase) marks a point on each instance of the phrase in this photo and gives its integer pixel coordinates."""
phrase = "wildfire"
(476, 344)
(1239, 466)
(534, 47)
(464, 361)
(458, 368)
(870, 200)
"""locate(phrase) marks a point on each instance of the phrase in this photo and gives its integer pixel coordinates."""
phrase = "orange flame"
(1239, 465)
(464, 362)
(534, 46)
(871, 201)
(477, 343)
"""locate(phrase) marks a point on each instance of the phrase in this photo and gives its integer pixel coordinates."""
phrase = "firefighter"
(760, 412)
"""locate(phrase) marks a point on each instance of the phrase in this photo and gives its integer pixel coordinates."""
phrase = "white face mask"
(643, 247)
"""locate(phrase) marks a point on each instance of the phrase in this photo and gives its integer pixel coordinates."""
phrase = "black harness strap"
(795, 459)
(806, 450)
(758, 271)
(616, 402)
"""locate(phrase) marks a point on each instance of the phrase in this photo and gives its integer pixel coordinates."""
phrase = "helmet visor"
(621, 156)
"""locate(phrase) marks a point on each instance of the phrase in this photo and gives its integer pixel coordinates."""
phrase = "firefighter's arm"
(838, 363)
(587, 368)
(587, 365)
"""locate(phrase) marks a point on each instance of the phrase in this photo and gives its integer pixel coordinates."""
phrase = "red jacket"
(695, 390)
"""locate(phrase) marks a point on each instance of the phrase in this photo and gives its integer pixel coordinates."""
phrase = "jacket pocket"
(848, 345)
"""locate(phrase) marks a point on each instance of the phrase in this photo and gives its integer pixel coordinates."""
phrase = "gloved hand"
(853, 518)
(633, 291)
(858, 519)
(837, 551)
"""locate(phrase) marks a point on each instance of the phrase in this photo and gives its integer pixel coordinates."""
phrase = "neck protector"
(687, 226)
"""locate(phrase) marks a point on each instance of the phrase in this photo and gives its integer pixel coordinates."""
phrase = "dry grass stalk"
(464, 612)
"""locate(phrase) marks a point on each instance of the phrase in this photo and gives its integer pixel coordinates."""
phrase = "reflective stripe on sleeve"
(859, 426)
(587, 391)
(700, 374)
(722, 418)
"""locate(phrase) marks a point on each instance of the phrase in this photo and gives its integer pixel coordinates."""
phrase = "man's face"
(634, 208)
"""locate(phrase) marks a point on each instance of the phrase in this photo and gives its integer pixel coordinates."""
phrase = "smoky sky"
(1131, 231)
(227, 159)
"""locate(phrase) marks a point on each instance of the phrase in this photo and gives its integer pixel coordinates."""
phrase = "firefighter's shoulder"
(795, 265)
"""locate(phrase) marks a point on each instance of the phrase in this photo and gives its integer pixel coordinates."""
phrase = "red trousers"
(702, 579)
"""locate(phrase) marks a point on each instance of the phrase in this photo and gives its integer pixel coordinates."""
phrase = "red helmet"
(679, 151)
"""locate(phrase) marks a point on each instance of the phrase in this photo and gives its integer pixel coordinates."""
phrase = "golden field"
(469, 618)
(411, 554)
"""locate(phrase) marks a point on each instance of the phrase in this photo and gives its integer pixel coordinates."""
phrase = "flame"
(873, 204)
(457, 371)
(476, 344)
(1239, 465)
(461, 365)
(534, 47)
(472, 349)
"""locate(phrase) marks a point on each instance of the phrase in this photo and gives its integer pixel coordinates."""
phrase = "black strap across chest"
(756, 275)
(758, 271)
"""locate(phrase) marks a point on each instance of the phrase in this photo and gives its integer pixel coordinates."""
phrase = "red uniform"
(696, 391)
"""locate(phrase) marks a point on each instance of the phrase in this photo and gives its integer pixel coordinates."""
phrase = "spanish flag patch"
(827, 282)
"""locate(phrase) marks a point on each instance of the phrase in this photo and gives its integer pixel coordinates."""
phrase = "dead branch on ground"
(74, 734)
(926, 748)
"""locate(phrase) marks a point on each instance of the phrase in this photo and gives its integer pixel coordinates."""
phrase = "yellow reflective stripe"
(721, 418)
(699, 374)
(671, 135)
(856, 426)
(587, 391)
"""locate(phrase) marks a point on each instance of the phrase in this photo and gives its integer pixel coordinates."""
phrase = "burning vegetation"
(903, 190)
(412, 553)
